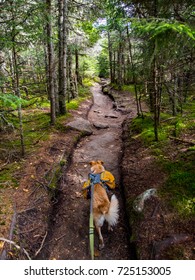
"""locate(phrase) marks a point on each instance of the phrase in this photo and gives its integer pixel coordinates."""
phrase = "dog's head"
(97, 166)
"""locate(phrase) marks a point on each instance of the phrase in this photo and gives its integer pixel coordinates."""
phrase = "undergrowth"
(177, 159)
(36, 129)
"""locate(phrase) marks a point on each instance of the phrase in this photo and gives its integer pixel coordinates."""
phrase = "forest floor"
(50, 217)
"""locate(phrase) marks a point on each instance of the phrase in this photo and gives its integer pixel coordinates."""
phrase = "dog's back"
(101, 202)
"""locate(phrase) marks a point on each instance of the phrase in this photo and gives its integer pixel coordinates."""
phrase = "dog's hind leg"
(110, 227)
(101, 240)
(98, 224)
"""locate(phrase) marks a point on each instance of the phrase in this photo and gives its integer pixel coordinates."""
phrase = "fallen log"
(182, 140)
(160, 246)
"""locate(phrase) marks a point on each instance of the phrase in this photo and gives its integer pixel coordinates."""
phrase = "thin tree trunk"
(75, 85)
(60, 57)
(114, 67)
(175, 95)
(78, 76)
(156, 91)
(62, 95)
(133, 72)
(70, 75)
(15, 81)
(17, 92)
(119, 68)
(50, 62)
(110, 58)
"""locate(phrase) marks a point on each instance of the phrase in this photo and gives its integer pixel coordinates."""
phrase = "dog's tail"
(112, 215)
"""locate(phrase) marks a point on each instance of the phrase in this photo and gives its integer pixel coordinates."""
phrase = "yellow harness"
(106, 179)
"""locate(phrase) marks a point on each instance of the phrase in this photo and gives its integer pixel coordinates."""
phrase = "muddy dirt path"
(68, 235)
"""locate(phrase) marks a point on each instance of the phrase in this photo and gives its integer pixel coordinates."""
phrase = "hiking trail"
(68, 236)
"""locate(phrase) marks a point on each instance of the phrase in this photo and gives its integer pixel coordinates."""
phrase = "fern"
(11, 101)
(157, 27)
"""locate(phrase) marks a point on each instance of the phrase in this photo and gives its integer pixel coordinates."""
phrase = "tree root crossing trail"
(68, 237)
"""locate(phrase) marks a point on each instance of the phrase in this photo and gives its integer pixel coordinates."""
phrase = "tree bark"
(133, 72)
(78, 76)
(63, 37)
(61, 95)
(16, 83)
(17, 92)
(50, 62)
(110, 58)
(119, 68)
(157, 93)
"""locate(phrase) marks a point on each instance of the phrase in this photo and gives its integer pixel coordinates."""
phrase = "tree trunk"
(15, 80)
(114, 67)
(50, 62)
(62, 44)
(17, 92)
(110, 58)
(119, 68)
(78, 76)
(60, 50)
(156, 94)
(133, 72)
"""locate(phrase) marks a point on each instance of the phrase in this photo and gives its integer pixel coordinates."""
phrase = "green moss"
(84, 91)
(8, 175)
(157, 152)
(179, 188)
(96, 79)
(129, 88)
(140, 125)
(73, 104)
(63, 162)
(143, 128)
(88, 82)
(54, 177)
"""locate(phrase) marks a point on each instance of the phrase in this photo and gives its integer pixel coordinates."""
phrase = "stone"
(81, 125)
(100, 125)
(138, 204)
(111, 115)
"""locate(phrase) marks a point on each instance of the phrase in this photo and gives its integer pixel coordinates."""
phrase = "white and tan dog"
(103, 208)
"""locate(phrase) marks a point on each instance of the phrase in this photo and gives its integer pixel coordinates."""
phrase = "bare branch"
(17, 246)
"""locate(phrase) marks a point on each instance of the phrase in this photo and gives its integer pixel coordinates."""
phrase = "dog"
(103, 208)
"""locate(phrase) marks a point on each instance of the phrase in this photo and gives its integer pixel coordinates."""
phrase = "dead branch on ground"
(15, 245)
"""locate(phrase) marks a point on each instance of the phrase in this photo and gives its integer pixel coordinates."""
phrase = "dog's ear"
(92, 163)
(100, 162)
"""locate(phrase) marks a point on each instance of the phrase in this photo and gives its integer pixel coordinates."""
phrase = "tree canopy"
(45, 50)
